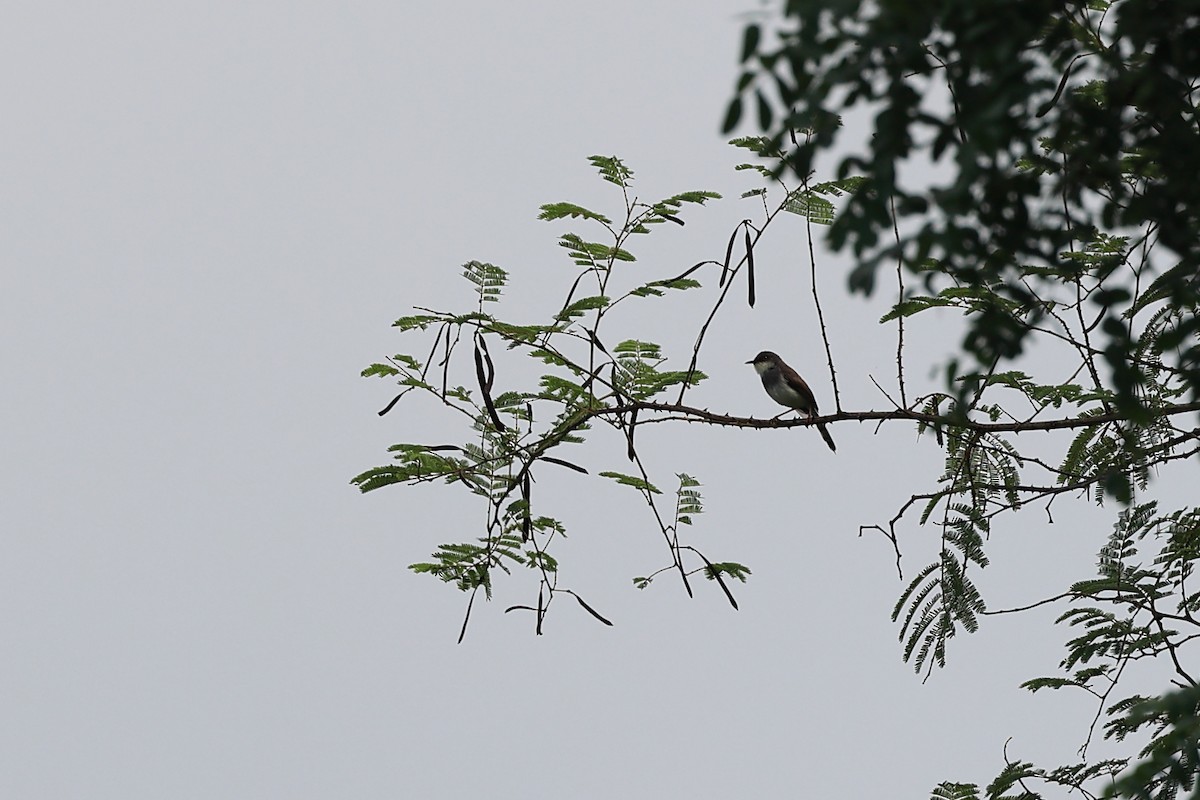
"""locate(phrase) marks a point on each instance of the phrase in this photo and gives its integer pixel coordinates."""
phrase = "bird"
(786, 387)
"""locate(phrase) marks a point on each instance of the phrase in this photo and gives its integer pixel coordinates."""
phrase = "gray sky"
(212, 212)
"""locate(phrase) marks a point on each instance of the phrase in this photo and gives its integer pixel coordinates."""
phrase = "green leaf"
(562, 390)
(698, 197)
(733, 114)
(637, 349)
(582, 306)
(407, 361)
(489, 279)
(654, 288)
(520, 334)
(1012, 775)
(553, 211)
(1167, 284)
(837, 188)
(666, 210)
(612, 169)
(418, 463)
(940, 600)
(955, 791)
(759, 145)
(731, 568)
(687, 499)
(1048, 683)
(421, 321)
(380, 370)
(750, 38)
(765, 115)
(630, 480)
(592, 254)
(812, 206)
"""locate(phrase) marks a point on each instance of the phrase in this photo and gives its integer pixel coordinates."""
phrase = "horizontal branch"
(692, 414)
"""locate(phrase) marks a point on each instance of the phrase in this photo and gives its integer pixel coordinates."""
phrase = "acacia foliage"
(587, 374)
(1139, 608)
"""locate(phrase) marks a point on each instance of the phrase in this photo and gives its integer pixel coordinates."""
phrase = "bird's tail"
(825, 435)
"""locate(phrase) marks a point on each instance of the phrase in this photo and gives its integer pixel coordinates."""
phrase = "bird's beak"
(751, 361)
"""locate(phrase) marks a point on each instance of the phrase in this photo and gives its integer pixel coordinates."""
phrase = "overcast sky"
(212, 212)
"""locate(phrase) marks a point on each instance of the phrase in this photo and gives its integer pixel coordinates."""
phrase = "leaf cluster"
(517, 433)
(1072, 131)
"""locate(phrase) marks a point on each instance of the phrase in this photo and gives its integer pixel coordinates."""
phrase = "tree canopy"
(1070, 142)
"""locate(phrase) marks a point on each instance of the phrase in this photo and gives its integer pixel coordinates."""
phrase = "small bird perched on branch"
(786, 387)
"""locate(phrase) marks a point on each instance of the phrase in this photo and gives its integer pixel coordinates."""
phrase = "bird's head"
(764, 361)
